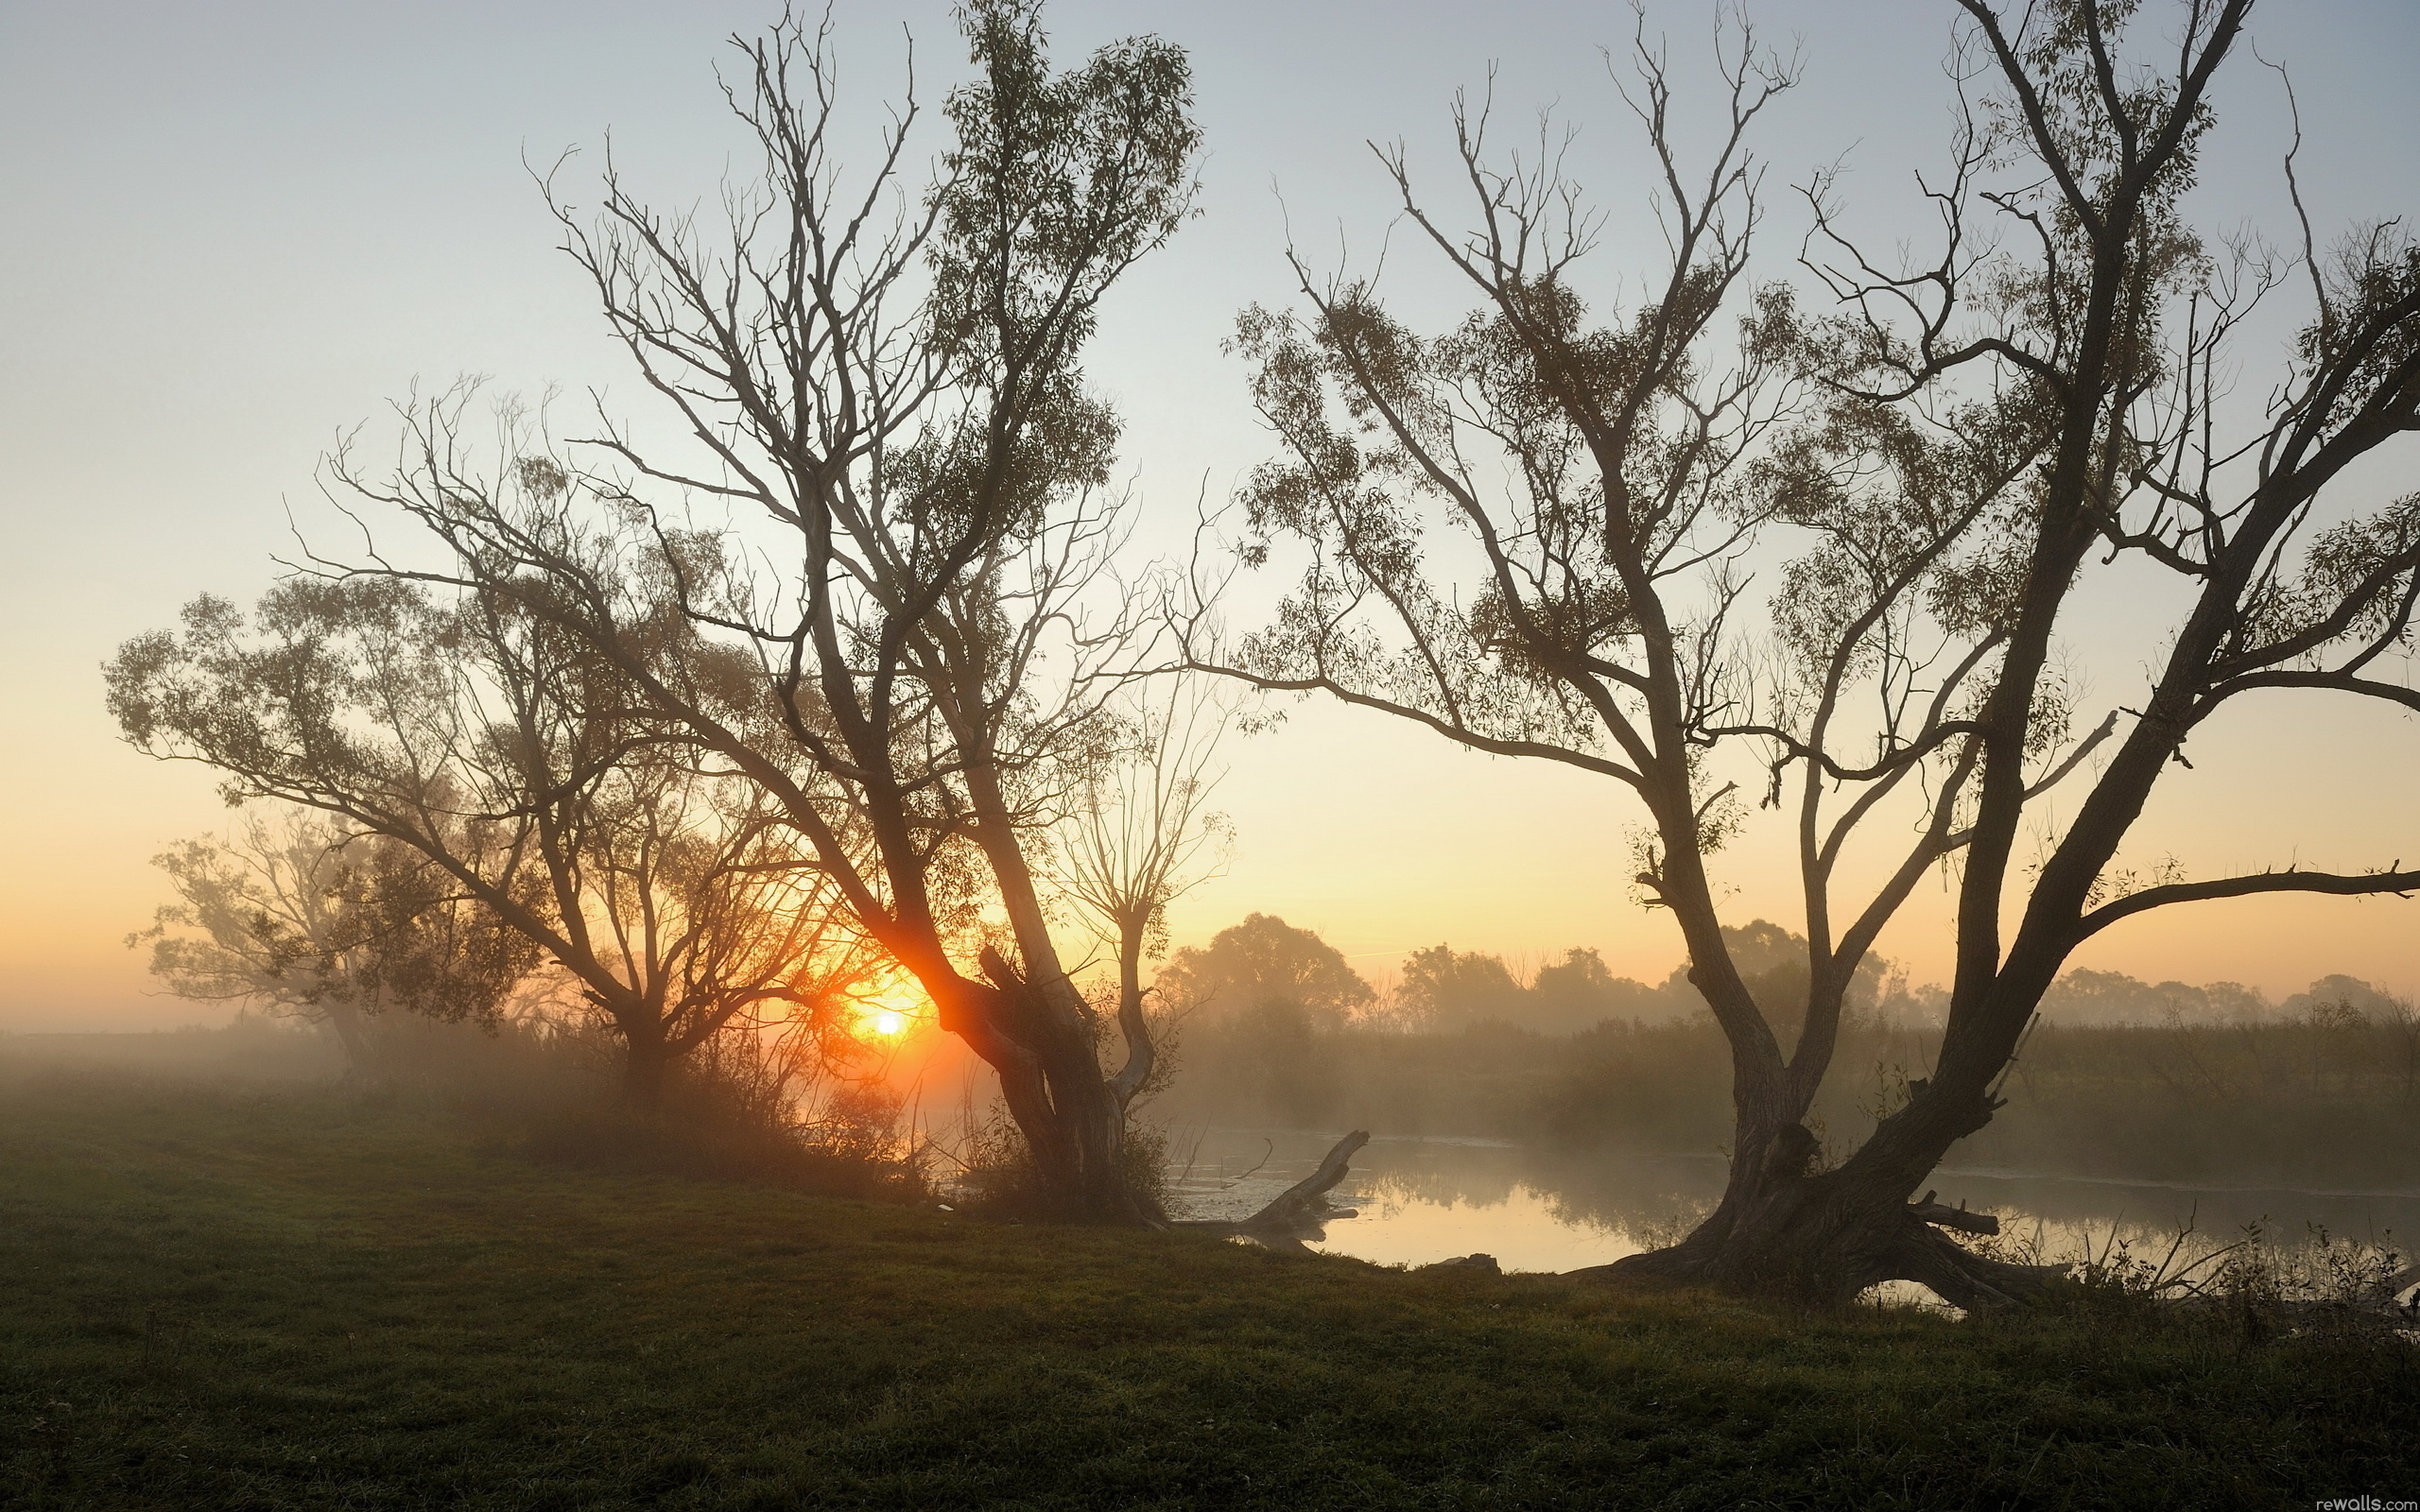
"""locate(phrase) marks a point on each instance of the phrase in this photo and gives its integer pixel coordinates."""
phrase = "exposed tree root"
(1963, 1279)
(1793, 1246)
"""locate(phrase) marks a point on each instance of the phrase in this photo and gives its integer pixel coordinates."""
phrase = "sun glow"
(889, 1011)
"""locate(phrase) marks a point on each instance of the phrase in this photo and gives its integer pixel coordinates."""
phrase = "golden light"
(890, 1009)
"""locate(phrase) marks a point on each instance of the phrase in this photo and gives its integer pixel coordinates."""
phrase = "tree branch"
(2360, 885)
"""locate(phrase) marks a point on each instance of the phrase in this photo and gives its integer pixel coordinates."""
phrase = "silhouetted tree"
(1133, 841)
(311, 919)
(1263, 1003)
(1266, 960)
(1581, 990)
(2084, 997)
(1948, 462)
(884, 377)
(1443, 988)
(2338, 991)
(512, 762)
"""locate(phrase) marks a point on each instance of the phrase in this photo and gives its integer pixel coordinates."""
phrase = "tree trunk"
(1783, 1229)
(647, 1066)
(1073, 1121)
(345, 1021)
(1072, 1116)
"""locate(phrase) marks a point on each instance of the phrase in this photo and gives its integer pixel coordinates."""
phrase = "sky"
(238, 231)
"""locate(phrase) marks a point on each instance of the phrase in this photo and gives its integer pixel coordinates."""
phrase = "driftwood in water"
(1304, 1203)
(1300, 1209)
(1957, 1217)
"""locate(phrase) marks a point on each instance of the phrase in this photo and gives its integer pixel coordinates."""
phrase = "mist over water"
(2069, 1166)
(1418, 1201)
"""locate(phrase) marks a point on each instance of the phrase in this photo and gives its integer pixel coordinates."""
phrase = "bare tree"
(1940, 465)
(894, 645)
(311, 919)
(473, 736)
(1134, 842)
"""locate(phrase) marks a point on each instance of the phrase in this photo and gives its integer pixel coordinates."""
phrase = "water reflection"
(1422, 1201)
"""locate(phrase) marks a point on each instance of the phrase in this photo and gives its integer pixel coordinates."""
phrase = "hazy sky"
(237, 229)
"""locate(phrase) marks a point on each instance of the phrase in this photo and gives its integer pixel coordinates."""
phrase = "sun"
(890, 1010)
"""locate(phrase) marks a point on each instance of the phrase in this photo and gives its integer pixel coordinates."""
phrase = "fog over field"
(1030, 752)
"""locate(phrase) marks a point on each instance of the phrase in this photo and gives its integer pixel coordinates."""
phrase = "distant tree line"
(1268, 972)
(2118, 1077)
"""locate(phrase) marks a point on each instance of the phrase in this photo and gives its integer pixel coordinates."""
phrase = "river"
(1416, 1201)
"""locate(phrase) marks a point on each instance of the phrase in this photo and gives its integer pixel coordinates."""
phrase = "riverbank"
(261, 1299)
(1544, 1207)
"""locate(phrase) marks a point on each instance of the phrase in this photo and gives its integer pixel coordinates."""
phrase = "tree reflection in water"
(1421, 1200)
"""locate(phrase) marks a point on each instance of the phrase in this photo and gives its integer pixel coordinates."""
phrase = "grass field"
(213, 1299)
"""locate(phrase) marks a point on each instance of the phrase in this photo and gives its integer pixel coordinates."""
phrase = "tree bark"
(1035, 1036)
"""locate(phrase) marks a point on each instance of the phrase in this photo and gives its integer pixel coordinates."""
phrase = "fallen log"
(1958, 1217)
(1300, 1209)
(1305, 1203)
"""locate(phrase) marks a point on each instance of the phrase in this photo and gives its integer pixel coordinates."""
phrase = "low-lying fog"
(1504, 1124)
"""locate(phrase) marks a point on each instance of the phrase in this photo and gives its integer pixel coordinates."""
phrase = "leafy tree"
(882, 378)
(2349, 993)
(1263, 1003)
(1580, 991)
(1262, 962)
(471, 737)
(1944, 469)
(308, 919)
(2086, 997)
(1443, 991)
(2233, 1002)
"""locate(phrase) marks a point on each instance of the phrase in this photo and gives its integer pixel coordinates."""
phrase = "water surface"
(1417, 1201)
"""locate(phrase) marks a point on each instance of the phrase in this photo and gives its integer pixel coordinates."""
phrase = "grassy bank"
(249, 1300)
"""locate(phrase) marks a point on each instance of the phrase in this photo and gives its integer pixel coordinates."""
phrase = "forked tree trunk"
(1784, 1229)
(1036, 1036)
(1031, 1025)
